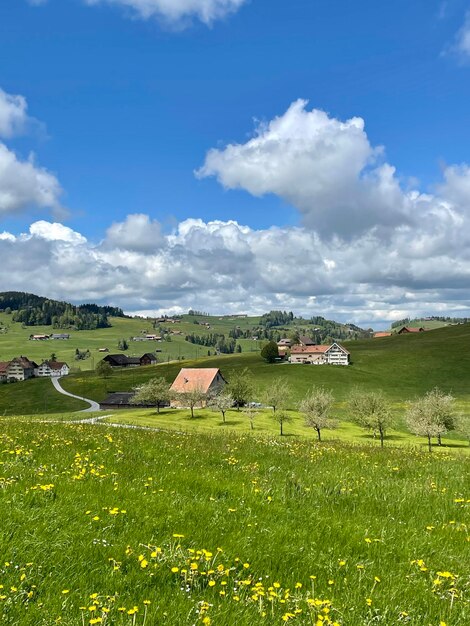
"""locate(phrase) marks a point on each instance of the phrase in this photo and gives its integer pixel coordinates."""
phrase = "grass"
(35, 397)
(402, 366)
(106, 526)
(16, 340)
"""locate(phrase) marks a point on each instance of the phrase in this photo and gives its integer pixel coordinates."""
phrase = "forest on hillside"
(31, 310)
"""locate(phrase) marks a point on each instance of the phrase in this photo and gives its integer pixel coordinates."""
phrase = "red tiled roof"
(3, 366)
(194, 378)
(409, 329)
(309, 349)
(382, 334)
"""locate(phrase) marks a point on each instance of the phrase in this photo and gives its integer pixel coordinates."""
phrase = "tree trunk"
(158, 407)
(429, 443)
(439, 440)
(192, 412)
(318, 433)
(223, 416)
(381, 438)
(281, 424)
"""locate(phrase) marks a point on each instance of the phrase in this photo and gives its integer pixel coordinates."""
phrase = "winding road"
(94, 406)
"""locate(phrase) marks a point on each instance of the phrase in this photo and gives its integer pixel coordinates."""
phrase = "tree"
(371, 411)
(221, 401)
(241, 387)
(431, 415)
(192, 398)
(104, 369)
(123, 345)
(53, 356)
(281, 418)
(278, 394)
(270, 352)
(316, 408)
(155, 392)
(251, 414)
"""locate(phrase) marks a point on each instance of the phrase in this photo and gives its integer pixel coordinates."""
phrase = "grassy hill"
(402, 366)
(135, 528)
(14, 337)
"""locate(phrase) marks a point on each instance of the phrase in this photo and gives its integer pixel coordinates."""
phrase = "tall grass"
(105, 526)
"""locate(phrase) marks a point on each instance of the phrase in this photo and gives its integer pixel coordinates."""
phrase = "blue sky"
(123, 107)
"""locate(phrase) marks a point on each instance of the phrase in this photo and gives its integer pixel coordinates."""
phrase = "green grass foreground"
(101, 525)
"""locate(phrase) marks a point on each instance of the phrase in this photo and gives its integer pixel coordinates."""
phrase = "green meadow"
(100, 525)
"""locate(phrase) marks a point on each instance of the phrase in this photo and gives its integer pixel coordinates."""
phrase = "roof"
(307, 341)
(3, 366)
(120, 359)
(297, 349)
(382, 334)
(24, 362)
(194, 378)
(150, 356)
(118, 398)
(316, 349)
(55, 365)
(409, 329)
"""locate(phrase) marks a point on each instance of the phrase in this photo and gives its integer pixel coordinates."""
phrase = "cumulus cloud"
(138, 232)
(23, 184)
(325, 167)
(227, 267)
(176, 11)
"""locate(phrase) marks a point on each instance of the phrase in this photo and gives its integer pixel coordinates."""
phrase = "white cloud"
(324, 167)
(462, 40)
(13, 114)
(24, 185)
(226, 267)
(56, 232)
(176, 11)
(137, 233)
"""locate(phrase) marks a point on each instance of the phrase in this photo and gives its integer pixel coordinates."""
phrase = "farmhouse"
(53, 369)
(201, 379)
(382, 334)
(333, 354)
(122, 360)
(404, 330)
(20, 368)
(61, 336)
(39, 337)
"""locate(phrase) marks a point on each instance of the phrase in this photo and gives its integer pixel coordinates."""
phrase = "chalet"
(53, 369)
(380, 334)
(285, 343)
(61, 336)
(333, 354)
(20, 368)
(202, 379)
(123, 400)
(404, 330)
(122, 360)
(148, 359)
(39, 337)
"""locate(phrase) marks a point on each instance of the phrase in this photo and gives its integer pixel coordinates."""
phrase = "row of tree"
(215, 340)
(432, 415)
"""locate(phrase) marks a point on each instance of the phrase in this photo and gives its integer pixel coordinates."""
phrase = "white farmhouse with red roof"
(333, 354)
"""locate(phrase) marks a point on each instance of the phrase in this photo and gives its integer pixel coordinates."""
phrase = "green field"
(16, 340)
(403, 366)
(105, 526)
